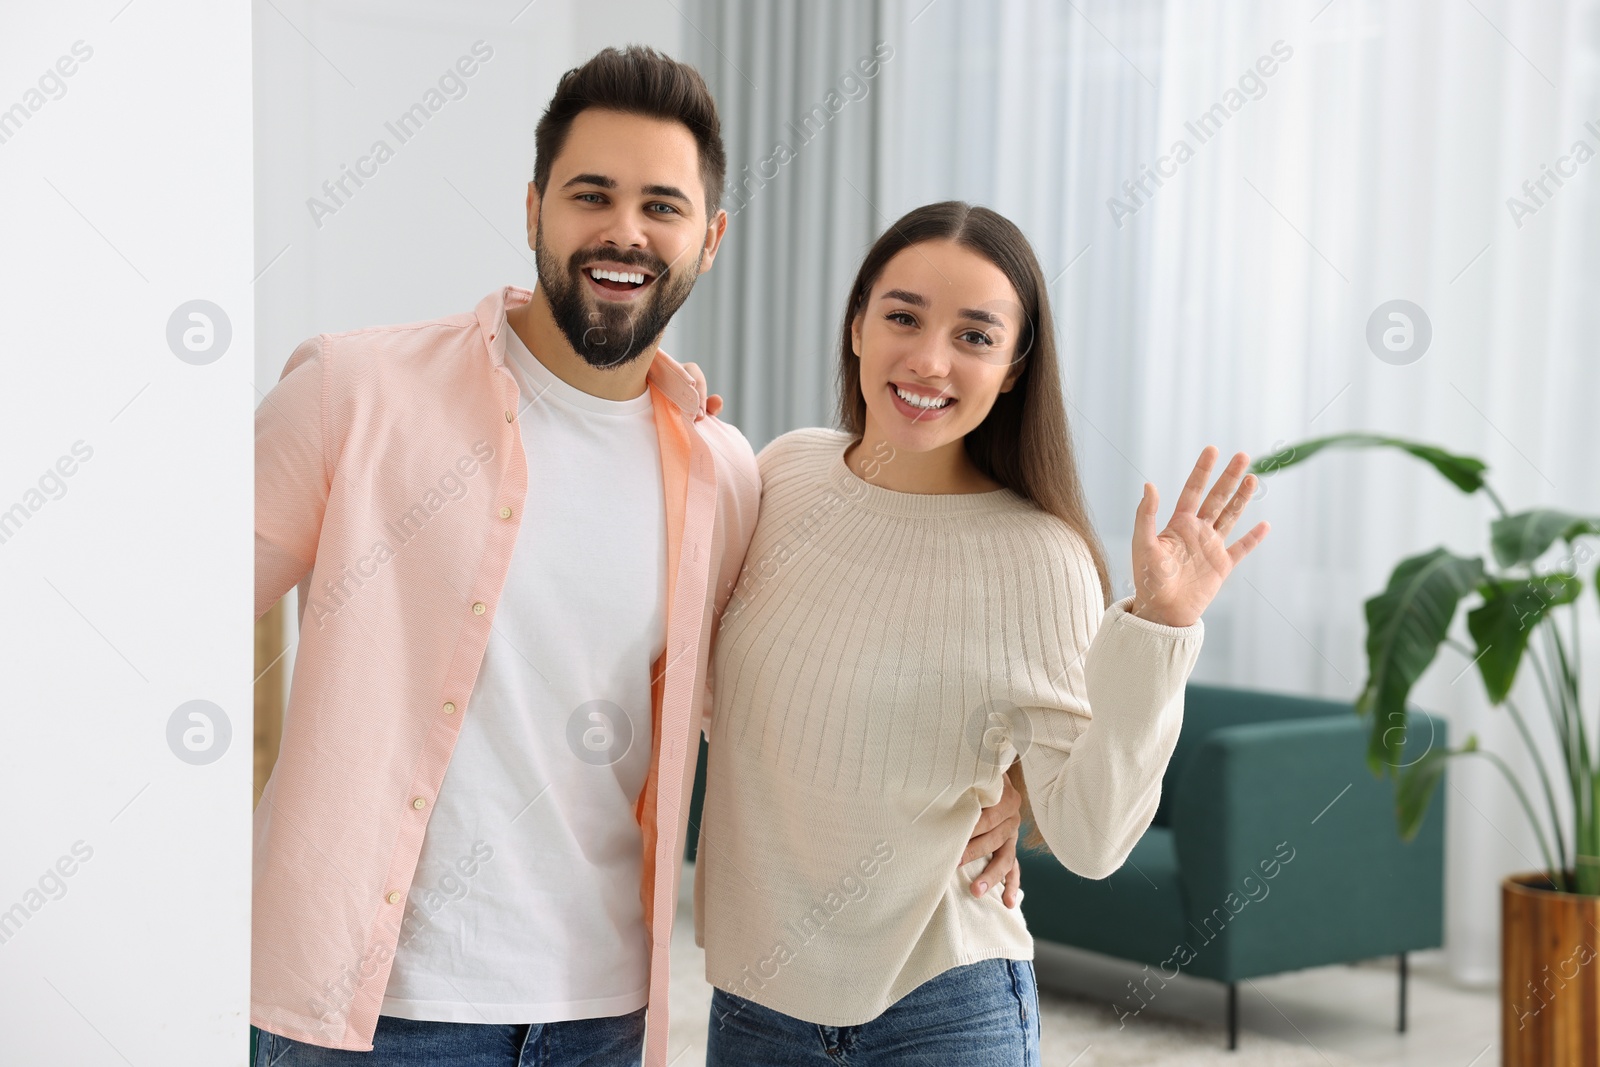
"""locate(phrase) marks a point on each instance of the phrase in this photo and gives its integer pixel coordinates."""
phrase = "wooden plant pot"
(1549, 975)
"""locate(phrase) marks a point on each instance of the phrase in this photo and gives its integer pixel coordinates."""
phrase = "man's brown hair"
(639, 81)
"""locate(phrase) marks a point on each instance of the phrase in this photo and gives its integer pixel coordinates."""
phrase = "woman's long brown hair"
(1023, 443)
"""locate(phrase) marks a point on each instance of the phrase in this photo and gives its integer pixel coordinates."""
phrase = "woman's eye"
(904, 318)
(977, 337)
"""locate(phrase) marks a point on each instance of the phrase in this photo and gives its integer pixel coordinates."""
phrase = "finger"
(997, 871)
(1230, 514)
(1007, 809)
(1242, 547)
(982, 844)
(987, 844)
(1012, 896)
(988, 819)
(1189, 499)
(1145, 515)
(713, 404)
(1227, 482)
(1010, 800)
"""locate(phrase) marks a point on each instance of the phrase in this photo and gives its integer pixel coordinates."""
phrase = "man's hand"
(713, 402)
(995, 835)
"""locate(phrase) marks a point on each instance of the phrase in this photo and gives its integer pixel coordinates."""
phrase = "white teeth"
(616, 276)
(927, 403)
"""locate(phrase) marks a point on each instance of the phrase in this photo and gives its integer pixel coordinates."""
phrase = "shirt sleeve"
(1104, 720)
(738, 503)
(292, 474)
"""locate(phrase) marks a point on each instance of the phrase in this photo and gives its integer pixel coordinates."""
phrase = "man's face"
(625, 198)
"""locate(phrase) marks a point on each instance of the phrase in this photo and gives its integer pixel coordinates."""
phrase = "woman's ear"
(1013, 373)
(855, 333)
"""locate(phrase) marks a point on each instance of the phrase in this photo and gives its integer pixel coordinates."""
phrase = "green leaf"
(1524, 537)
(1405, 625)
(1417, 785)
(1464, 472)
(1501, 626)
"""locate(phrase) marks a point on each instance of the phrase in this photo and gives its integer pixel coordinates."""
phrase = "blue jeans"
(985, 1014)
(611, 1042)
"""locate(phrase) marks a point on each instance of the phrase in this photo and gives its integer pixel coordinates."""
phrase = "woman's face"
(937, 341)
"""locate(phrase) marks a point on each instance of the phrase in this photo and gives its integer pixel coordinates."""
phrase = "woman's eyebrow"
(905, 296)
(981, 316)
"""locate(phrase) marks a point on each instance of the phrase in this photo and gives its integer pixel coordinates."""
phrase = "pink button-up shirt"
(390, 484)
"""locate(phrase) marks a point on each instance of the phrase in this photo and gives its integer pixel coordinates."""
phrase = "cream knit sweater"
(883, 659)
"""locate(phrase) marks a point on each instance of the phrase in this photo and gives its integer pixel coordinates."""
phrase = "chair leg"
(1402, 992)
(1233, 1016)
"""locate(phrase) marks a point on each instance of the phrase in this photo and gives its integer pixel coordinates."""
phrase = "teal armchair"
(1274, 848)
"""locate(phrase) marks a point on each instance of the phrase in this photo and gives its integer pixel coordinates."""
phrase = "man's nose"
(623, 230)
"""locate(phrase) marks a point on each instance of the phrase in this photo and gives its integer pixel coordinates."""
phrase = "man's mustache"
(627, 258)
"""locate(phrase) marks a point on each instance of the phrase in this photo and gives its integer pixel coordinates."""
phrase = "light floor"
(1326, 1017)
(1342, 1014)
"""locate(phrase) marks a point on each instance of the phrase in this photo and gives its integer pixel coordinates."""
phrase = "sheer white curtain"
(1376, 166)
(1367, 157)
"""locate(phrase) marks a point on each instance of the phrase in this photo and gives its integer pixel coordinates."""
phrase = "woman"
(923, 612)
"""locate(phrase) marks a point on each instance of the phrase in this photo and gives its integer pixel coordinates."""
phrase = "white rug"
(1073, 1032)
(1070, 1026)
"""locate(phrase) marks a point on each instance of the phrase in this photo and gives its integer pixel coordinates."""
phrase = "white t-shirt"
(525, 904)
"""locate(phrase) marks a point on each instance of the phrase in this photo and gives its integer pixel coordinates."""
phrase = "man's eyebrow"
(604, 182)
(590, 179)
(666, 190)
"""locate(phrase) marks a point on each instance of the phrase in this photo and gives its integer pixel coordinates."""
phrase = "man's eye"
(596, 198)
(904, 318)
(668, 207)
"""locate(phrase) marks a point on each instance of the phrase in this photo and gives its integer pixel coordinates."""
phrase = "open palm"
(1177, 571)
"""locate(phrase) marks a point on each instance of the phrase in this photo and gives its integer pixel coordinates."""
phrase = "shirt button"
(478, 608)
(449, 707)
(393, 898)
(508, 416)
(419, 803)
(505, 513)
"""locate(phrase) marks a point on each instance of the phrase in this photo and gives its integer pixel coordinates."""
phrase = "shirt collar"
(666, 373)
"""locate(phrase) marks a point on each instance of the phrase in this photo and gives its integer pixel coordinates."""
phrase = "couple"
(533, 566)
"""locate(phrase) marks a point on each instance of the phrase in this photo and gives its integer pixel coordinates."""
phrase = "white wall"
(441, 223)
(125, 517)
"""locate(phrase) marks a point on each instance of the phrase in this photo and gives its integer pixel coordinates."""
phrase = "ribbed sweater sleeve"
(1105, 724)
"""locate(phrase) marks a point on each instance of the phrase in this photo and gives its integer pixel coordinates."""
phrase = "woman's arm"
(1110, 718)
(1094, 763)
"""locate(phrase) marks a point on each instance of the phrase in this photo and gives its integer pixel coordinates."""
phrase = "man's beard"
(606, 334)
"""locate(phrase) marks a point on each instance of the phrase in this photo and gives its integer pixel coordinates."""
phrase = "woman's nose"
(930, 359)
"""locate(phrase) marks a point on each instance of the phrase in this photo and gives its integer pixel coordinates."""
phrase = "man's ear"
(714, 231)
(533, 206)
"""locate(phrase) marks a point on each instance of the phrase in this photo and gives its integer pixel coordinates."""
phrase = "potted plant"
(1515, 610)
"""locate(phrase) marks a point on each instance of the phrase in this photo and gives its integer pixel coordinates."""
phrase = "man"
(512, 531)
